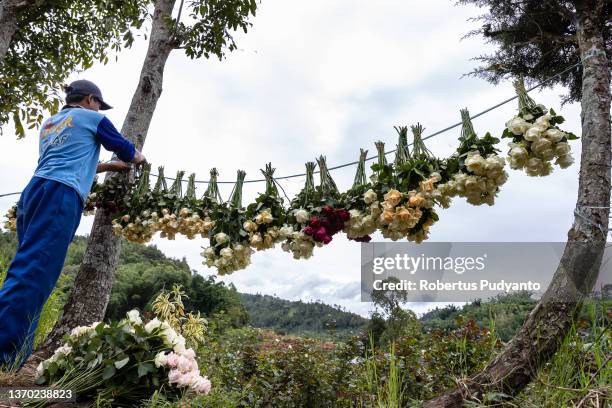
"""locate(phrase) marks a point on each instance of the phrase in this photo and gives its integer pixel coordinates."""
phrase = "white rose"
(286, 230)
(264, 217)
(161, 359)
(554, 135)
(475, 163)
(564, 161)
(134, 316)
(540, 144)
(40, 369)
(249, 226)
(562, 149)
(221, 238)
(517, 125)
(532, 134)
(369, 196)
(543, 121)
(152, 325)
(519, 153)
(302, 216)
(227, 253)
(256, 239)
(209, 252)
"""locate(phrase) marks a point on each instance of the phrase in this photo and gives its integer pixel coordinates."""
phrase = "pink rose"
(174, 376)
(172, 360)
(203, 386)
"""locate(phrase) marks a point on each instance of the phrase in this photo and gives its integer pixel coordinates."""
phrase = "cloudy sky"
(326, 77)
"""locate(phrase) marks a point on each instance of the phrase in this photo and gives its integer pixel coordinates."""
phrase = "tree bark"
(9, 10)
(550, 320)
(89, 297)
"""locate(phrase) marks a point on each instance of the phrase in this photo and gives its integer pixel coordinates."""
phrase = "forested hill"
(296, 317)
(144, 270)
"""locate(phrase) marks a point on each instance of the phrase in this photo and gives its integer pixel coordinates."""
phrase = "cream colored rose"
(554, 135)
(532, 134)
(302, 216)
(369, 196)
(562, 149)
(393, 197)
(221, 238)
(564, 161)
(249, 226)
(263, 217)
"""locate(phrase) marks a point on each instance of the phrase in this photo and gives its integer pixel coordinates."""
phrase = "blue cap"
(85, 88)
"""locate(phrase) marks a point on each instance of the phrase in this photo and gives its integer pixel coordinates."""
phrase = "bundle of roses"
(125, 361)
(266, 217)
(474, 171)
(135, 223)
(407, 207)
(298, 218)
(362, 204)
(536, 139)
(229, 248)
(326, 213)
(11, 219)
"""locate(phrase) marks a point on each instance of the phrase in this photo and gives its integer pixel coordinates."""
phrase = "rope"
(589, 54)
(439, 132)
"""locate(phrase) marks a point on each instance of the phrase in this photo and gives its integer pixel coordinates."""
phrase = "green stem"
(160, 185)
(419, 150)
(268, 173)
(524, 100)
(327, 183)
(212, 192)
(236, 198)
(402, 154)
(190, 194)
(177, 186)
(360, 177)
(382, 159)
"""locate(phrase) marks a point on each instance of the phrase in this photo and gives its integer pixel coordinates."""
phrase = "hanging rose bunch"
(327, 215)
(266, 216)
(475, 171)
(135, 223)
(190, 221)
(170, 205)
(362, 204)
(207, 204)
(124, 360)
(536, 138)
(297, 242)
(11, 219)
(407, 188)
(229, 248)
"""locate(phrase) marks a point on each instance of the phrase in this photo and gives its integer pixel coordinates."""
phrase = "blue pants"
(48, 214)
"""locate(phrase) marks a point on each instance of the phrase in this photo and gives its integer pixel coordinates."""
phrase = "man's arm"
(112, 140)
(112, 166)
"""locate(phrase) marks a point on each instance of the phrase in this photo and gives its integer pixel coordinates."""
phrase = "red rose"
(321, 235)
(315, 222)
(308, 231)
(343, 214)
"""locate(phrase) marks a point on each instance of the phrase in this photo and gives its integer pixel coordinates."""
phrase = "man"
(49, 210)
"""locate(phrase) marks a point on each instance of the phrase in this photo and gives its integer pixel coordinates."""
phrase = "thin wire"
(439, 132)
(589, 55)
(9, 194)
(592, 223)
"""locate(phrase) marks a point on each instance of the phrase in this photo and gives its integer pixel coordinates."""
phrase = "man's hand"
(112, 166)
(139, 158)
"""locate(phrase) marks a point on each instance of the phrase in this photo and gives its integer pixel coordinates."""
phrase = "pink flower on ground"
(174, 376)
(183, 364)
(172, 360)
(202, 385)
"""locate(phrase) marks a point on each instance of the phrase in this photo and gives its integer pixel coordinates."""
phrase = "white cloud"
(324, 77)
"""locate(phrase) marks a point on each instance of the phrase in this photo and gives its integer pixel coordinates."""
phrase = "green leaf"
(121, 363)
(144, 369)
(108, 372)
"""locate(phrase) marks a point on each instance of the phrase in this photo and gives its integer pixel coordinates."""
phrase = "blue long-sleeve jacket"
(69, 147)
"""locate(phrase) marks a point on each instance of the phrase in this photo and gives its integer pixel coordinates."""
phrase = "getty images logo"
(412, 264)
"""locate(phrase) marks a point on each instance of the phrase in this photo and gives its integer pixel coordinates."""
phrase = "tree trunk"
(8, 22)
(550, 320)
(92, 287)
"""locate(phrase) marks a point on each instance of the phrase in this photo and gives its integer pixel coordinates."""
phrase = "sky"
(326, 77)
